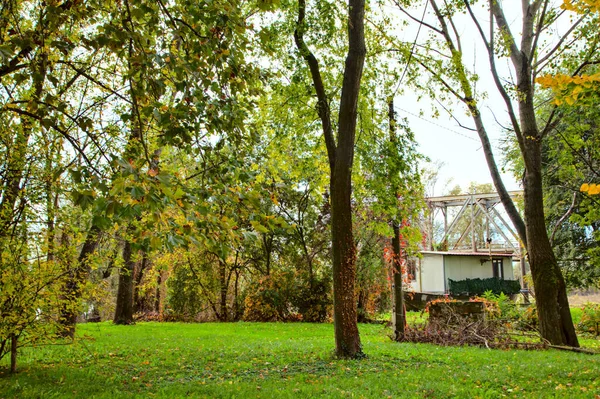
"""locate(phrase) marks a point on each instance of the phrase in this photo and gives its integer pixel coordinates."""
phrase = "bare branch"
(559, 44)
(419, 21)
(563, 218)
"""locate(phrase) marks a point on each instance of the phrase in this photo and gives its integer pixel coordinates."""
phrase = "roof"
(458, 253)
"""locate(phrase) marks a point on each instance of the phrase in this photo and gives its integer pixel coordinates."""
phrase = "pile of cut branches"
(454, 329)
(459, 331)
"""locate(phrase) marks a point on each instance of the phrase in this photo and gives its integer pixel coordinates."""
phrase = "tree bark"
(344, 250)
(75, 279)
(341, 157)
(124, 308)
(223, 314)
(139, 304)
(556, 324)
(13, 353)
(398, 316)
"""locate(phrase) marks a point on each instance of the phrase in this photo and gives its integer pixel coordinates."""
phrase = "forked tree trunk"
(341, 156)
(556, 324)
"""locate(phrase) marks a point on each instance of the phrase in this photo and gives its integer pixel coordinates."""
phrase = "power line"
(412, 50)
(437, 124)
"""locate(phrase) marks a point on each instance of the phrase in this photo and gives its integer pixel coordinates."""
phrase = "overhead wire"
(437, 124)
(412, 50)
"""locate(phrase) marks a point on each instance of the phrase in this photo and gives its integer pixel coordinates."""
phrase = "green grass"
(576, 314)
(270, 360)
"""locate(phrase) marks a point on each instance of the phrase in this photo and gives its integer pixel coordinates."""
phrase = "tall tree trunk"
(75, 279)
(236, 299)
(341, 157)
(124, 308)
(556, 323)
(399, 319)
(14, 340)
(157, 298)
(138, 302)
(344, 250)
(223, 314)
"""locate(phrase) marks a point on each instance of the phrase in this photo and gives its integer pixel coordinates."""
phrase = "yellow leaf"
(584, 187)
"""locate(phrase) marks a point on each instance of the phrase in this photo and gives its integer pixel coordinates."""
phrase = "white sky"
(458, 149)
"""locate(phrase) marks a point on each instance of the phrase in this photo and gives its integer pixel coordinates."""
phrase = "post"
(473, 238)
(445, 212)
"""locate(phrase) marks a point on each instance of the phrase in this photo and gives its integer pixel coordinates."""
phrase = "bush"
(478, 286)
(524, 319)
(31, 295)
(269, 298)
(288, 296)
(507, 309)
(590, 319)
(313, 300)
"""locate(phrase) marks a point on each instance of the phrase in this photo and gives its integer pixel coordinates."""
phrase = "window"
(497, 268)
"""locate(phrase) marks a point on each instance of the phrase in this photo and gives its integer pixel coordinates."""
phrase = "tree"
(340, 153)
(528, 60)
(570, 159)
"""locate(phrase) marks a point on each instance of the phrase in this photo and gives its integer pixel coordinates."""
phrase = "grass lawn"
(269, 360)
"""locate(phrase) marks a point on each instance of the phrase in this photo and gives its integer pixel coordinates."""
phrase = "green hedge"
(477, 286)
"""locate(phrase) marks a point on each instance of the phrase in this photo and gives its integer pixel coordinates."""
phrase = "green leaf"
(137, 192)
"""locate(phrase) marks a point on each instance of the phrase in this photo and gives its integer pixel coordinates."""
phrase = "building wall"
(433, 270)
(507, 264)
(431, 273)
(463, 267)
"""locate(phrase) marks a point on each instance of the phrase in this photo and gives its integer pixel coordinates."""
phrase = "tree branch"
(322, 101)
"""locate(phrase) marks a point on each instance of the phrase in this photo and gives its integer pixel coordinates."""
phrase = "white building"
(430, 273)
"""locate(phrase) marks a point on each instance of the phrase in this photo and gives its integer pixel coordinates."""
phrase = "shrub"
(590, 319)
(288, 296)
(528, 319)
(478, 286)
(269, 298)
(313, 300)
(508, 311)
(506, 308)
(30, 296)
